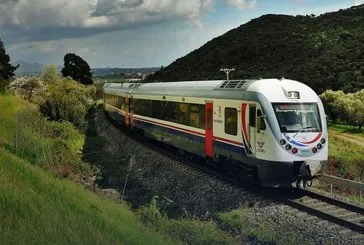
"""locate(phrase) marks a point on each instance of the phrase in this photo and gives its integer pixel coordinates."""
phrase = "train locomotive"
(275, 127)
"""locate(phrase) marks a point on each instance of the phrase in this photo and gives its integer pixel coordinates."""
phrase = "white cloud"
(242, 4)
(358, 2)
(36, 15)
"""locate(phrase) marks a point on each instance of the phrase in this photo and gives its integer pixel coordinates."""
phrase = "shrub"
(31, 89)
(51, 145)
(68, 101)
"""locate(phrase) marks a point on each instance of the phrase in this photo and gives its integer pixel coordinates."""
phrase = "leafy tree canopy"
(345, 108)
(77, 68)
(6, 69)
(324, 52)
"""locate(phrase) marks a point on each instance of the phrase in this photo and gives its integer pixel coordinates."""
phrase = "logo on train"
(261, 144)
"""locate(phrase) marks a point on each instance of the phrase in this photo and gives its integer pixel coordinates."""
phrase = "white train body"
(276, 126)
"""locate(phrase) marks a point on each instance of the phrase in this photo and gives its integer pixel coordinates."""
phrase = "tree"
(50, 74)
(29, 88)
(6, 69)
(77, 68)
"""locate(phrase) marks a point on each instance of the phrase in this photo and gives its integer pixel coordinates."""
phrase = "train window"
(110, 99)
(202, 116)
(231, 121)
(298, 117)
(195, 116)
(182, 113)
(252, 111)
(120, 102)
(168, 113)
(261, 120)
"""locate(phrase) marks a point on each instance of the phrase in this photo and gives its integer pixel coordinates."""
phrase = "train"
(273, 129)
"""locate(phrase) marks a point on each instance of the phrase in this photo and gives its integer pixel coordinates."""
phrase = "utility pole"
(227, 71)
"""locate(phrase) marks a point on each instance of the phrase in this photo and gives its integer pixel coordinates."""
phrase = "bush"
(53, 145)
(348, 108)
(68, 101)
(31, 89)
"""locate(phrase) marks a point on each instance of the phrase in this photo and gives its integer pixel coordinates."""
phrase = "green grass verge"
(346, 154)
(237, 223)
(37, 208)
(346, 129)
(190, 231)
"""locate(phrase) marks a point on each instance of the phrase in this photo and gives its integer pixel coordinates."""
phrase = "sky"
(132, 33)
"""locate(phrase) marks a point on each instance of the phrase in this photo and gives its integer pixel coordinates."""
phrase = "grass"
(354, 130)
(238, 224)
(27, 134)
(346, 153)
(190, 231)
(36, 206)
(346, 158)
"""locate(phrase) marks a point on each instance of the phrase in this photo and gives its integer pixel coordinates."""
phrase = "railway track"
(342, 213)
(346, 215)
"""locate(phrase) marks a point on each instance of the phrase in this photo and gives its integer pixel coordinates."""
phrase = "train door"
(131, 112)
(252, 129)
(127, 109)
(209, 130)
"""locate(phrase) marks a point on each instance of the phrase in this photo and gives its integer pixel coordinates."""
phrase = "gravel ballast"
(200, 194)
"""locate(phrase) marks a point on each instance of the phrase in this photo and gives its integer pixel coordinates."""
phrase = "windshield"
(303, 117)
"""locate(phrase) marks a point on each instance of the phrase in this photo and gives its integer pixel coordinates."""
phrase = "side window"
(252, 111)
(202, 116)
(231, 121)
(195, 116)
(155, 109)
(182, 113)
(261, 120)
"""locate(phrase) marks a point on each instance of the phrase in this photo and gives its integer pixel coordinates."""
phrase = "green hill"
(325, 52)
(37, 207)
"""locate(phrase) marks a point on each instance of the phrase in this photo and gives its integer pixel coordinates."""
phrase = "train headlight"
(314, 150)
(288, 147)
(323, 141)
(319, 146)
(282, 142)
(294, 150)
(293, 95)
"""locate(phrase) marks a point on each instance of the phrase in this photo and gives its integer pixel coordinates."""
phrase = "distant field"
(346, 150)
(107, 80)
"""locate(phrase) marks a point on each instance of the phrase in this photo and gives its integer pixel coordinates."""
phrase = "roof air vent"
(231, 84)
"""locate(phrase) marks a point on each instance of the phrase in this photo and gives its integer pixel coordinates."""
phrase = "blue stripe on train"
(201, 139)
(229, 147)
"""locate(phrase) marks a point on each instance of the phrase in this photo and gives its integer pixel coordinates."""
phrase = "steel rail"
(283, 197)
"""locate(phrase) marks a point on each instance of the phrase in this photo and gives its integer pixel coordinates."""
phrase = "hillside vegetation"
(37, 207)
(324, 52)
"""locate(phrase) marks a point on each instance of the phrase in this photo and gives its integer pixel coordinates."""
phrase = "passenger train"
(274, 127)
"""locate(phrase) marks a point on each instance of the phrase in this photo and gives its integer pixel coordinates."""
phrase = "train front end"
(299, 142)
(303, 138)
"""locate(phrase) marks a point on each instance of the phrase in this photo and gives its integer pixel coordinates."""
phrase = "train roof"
(273, 89)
